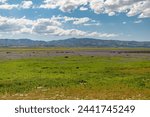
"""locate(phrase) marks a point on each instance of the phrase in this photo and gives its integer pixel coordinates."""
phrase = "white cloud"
(26, 4)
(138, 21)
(68, 32)
(56, 31)
(145, 13)
(97, 6)
(92, 24)
(47, 21)
(8, 6)
(24, 25)
(77, 21)
(110, 7)
(63, 5)
(23, 5)
(96, 34)
(81, 20)
(83, 9)
(130, 7)
(49, 4)
(43, 26)
(13, 24)
(111, 13)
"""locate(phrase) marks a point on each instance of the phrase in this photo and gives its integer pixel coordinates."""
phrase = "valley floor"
(74, 73)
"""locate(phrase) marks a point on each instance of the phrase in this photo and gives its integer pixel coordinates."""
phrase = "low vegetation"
(75, 77)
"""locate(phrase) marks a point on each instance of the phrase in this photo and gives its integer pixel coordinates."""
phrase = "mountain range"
(72, 42)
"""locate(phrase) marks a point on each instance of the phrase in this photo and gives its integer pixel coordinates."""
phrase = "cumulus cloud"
(110, 7)
(13, 24)
(81, 21)
(23, 5)
(25, 25)
(8, 6)
(26, 4)
(130, 7)
(64, 5)
(56, 30)
(43, 26)
(145, 13)
(77, 21)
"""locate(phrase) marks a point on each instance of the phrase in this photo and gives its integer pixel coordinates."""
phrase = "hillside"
(72, 42)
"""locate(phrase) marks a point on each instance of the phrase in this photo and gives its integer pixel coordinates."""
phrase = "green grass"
(75, 77)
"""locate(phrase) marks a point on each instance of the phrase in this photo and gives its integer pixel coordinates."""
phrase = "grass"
(75, 77)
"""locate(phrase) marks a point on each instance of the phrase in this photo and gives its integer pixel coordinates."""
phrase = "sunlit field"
(74, 73)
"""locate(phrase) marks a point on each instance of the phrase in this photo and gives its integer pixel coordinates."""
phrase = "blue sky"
(61, 19)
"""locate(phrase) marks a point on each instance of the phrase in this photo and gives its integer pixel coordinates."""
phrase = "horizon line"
(71, 38)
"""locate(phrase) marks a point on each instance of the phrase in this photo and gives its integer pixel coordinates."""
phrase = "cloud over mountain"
(45, 26)
(124, 19)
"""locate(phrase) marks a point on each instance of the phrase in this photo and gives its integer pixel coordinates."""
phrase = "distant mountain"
(20, 42)
(72, 42)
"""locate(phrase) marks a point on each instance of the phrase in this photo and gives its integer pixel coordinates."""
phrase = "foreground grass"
(75, 77)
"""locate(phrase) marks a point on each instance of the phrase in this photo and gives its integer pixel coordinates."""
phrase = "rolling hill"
(72, 42)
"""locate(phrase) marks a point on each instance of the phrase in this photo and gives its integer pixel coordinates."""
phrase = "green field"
(75, 77)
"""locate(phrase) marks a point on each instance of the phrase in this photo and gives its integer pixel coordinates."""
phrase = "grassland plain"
(74, 76)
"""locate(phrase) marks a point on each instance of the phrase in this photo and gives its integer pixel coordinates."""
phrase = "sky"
(61, 19)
